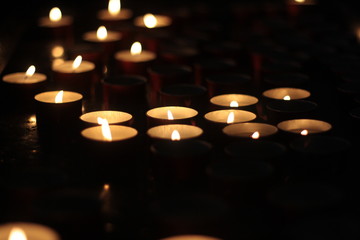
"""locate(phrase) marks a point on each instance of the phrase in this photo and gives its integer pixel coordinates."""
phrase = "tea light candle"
(58, 109)
(171, 115)
(135, 61)
(286, 94)
(235, 101)
(27, 230)
(59, 25)
(250, 130)
(102, 35)
(174, 132)
(24, 85)
(228, 116)
(180, 161)
(117, 133)
(152, 21)
(304, 126)
(55, 19)
(75, 75)
(114, 12)
(113, 117)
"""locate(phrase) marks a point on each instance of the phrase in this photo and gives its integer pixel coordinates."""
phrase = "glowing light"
(77, 62)
(17, 234)
(59, 97)
(101, 33)
(30, 71)
(106, 187)
(230, 118)
(150, 20)
(287, 98)
(170, 115)
(136, 48)
(175, 135)
(55, 14)
(234, 104)
(300, 1)
(57, 51)
(114, 7)
(255, 135)
(105, 129)
(304, 132)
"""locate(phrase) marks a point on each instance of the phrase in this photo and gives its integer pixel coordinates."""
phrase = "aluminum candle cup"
(56, 114)
(234, 101)
(250, 131)
(180, 162)
(166, 132)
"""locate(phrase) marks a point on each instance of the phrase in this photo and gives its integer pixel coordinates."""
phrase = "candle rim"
(124, 14)
(42, 77)
(325, 126)
(77, 96)
(51, 233)
(85, 117)
(193, 112)
(90, 67)
(254, 100)
(65, 20)
(257, 127)
(97, 129)
(251, 115)
(175, 126)
(115, 36)
(268, 93)
(165, 21)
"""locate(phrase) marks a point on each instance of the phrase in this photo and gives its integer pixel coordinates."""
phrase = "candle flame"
(230, 118)
(170, 115)
(17, 234)
(287, 98)
(255, 135)
(114, 7)
(101, 33)
(300, 1)
(106, 187)
(175, 135)
(55, 14)
(150, 20)
(59, 97)
(30, 71)
(77, 62)
(105, 129)
(136, 48)
(57, 51)
(304, 132)
(234, 104)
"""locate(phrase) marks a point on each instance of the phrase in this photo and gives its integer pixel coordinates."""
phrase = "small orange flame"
(30, 71)
(136, 49)
(55, 14)
(105, 129)
(17, 234)
(59, 97)
(287, 98)
(101, 33)
(175, 135)
(255, 135)
(170, 115)
(304, 132)
(150, 20)
(234, 104)
(106, 187)
(77, 62)
(114, 7)
(230, 118)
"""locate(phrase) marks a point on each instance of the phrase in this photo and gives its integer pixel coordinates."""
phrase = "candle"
(24, 85)
(188, 95)
(135, 61)
(278, 111)
(286, 94)
(234, 101)
(173, 131)
(252, 131)
(296, 8)
(113, 117)
(27, 231)
(152, 21)
(227, 83)
(124, 92)
(115, 133)
(59, 25)
(228, 116)
(114, 13)
(58, 112)
(75, 75)
(171, 115)
(180, 162)
(304, 126)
